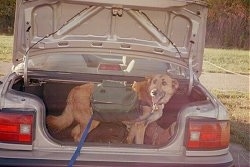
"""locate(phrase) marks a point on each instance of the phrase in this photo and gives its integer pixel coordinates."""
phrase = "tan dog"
(154, 91)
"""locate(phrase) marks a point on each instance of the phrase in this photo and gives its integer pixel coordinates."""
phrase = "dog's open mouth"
(158, 98)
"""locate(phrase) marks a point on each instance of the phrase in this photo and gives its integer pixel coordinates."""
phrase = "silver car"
(59, 44)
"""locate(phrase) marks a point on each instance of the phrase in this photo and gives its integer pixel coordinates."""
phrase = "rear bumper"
(55, 159)
(55, 163)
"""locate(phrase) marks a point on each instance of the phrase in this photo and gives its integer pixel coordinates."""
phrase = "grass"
(238, 106)
(230, 59)
(6, 43)
(237, 103)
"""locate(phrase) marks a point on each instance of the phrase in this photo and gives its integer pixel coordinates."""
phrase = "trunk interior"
(54, 95)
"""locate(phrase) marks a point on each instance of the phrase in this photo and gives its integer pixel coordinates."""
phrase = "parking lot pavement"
(240, 155)
(5, 67)
(227, 82)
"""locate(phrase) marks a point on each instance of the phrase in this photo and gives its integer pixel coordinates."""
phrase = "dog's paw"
(131, 135)
(76, 133)
(129, 140)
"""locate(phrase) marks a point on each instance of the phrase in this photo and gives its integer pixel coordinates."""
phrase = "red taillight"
(110, 67)
(16, 127)
(205, 134)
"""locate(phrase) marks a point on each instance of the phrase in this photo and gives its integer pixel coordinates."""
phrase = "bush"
(227, 24)
(7, 15)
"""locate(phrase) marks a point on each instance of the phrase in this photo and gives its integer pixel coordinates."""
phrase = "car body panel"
(107, 159)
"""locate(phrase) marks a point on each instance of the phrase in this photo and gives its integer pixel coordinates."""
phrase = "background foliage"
(227, 25)
(7, 16)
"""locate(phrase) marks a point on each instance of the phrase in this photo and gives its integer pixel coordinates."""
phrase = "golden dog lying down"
(155, 91)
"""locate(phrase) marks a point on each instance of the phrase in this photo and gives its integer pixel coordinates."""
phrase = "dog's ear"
(175, 84)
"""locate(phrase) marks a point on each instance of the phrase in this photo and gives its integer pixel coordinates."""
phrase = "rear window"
(105, 64)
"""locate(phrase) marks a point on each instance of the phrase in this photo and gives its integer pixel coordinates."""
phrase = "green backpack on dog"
(114, 101)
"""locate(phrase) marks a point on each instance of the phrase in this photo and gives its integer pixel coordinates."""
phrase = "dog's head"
(161, 87)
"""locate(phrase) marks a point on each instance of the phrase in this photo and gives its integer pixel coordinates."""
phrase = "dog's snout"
(153, 92)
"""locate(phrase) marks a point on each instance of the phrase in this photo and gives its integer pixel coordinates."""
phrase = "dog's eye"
(164, 83)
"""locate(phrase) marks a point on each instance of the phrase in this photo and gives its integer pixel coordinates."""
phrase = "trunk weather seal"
(191, 73)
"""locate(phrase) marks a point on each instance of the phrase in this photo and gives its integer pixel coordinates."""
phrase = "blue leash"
(80, 144)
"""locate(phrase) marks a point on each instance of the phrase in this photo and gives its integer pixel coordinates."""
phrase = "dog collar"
(156, 107)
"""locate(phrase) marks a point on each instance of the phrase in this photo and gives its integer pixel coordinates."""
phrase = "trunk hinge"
(26, 56)
(190, 67)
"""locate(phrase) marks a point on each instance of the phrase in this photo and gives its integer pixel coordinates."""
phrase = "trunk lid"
(172, 29)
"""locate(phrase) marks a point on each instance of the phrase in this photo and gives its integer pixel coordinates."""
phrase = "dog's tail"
(61, 122)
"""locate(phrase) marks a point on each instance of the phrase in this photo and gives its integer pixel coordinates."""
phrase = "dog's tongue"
(157, 99)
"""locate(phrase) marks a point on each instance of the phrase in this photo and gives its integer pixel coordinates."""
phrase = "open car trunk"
(68, 43)
(53, 94)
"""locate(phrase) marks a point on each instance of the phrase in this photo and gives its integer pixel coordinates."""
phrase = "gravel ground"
(211, 81)
(227, 82)
(4, 68)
